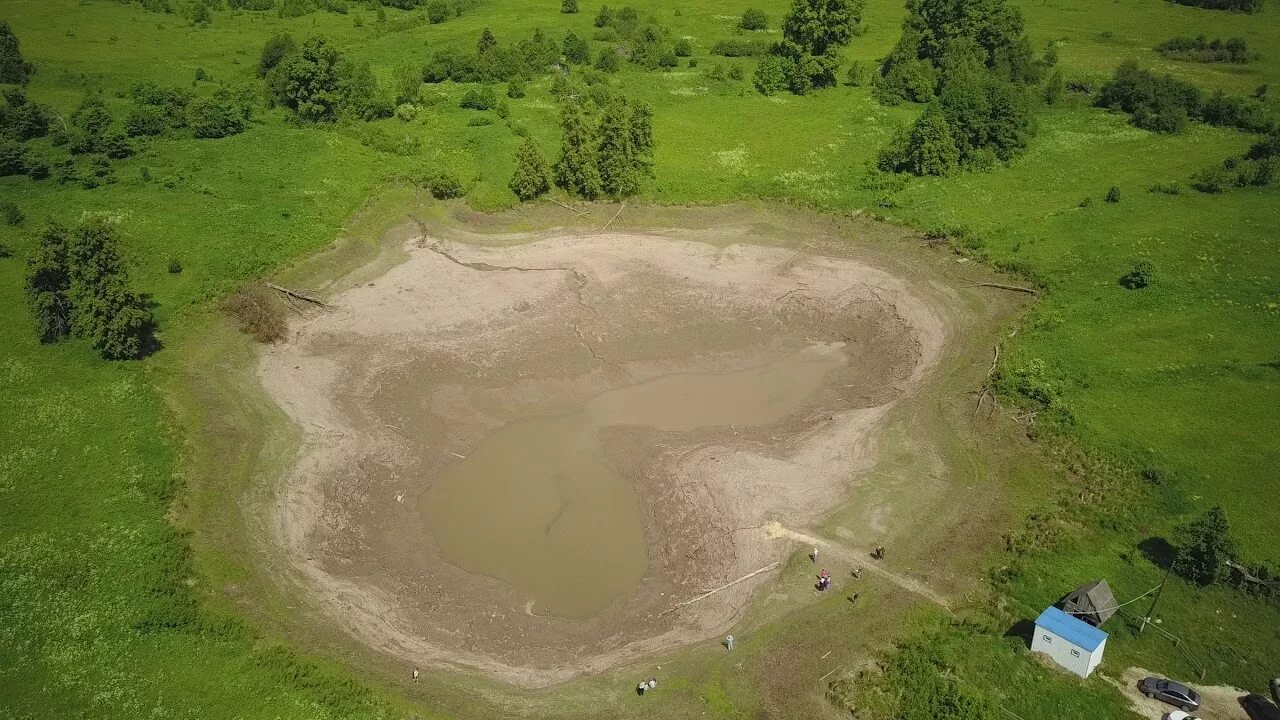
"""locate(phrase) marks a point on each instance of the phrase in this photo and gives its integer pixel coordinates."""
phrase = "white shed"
(1071, 642)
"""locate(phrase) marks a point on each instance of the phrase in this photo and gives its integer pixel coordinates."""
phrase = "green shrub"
(438, 11)
(683, 48)
(576, 50)
(1140, 276)
(443, 185)
(221, 114)
(754, 19)
(608, 60)
(741, 48)
(569, 6)
(12, 213)
(1113, 194)
(483, 98)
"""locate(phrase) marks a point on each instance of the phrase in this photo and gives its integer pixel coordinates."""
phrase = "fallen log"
(300, 295)
(748, 576)
(621, 207)
(1015, 288)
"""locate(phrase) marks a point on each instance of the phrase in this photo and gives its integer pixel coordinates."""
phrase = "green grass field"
(103, 612)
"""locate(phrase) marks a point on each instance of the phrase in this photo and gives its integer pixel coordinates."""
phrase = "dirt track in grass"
(517, 458)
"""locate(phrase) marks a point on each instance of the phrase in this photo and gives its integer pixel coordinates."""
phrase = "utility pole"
(1146, 618)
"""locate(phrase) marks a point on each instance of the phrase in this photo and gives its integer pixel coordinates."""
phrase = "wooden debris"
(621, 207)
(748, 576)
(300, 295)
(1002, 286)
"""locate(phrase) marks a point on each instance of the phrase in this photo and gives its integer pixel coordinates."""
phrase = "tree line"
(1202, 49)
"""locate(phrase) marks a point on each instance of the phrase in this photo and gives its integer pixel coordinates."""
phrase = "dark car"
(1259, 708)
(1171, 692)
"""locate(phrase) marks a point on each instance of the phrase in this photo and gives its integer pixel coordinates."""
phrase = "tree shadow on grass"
(1159, 551)
(1023, 630)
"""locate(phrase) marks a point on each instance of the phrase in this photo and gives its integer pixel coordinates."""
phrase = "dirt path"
(856, 558)
(1218, 702)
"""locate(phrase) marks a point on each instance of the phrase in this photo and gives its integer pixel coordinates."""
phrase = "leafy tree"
(576, 50)
(360, 95)
(1053, 88)
(817, 26)
(530, 178)
(307, 81)
(1204, 548)
(569, 7)
(221, 114)
(773, 74)
(754, 19)
(13, 68)
(577, 171)
(105, 309)
(438, 11)
(49, 283)
(515, 89)
(274, 51)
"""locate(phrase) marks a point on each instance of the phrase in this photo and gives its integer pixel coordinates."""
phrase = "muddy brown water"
(537, 504)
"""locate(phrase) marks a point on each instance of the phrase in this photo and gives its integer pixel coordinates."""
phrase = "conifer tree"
(619, 164)
(576, 171)
(530, 178)
(105, 309)
(13, 68)
(48, 284)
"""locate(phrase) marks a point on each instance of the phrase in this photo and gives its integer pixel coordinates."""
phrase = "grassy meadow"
(105, 608)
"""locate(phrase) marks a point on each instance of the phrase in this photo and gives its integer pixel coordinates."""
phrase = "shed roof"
(1094, 602)
(1075, 631)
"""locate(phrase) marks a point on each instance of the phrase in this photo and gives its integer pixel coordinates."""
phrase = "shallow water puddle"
(537, 505)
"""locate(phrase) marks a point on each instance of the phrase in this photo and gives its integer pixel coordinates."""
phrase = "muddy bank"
(516, 459)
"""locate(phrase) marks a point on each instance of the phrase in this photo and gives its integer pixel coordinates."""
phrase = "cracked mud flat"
(516, 459)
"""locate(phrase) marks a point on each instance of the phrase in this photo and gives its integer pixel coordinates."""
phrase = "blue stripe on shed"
(1072, 629)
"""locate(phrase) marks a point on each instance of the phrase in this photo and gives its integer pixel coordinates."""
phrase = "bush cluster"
(1202, 49)
(1246, 6)
(1163, 103)
(319, 84)
(1259, 167)
(492, 63)
(735, 47)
